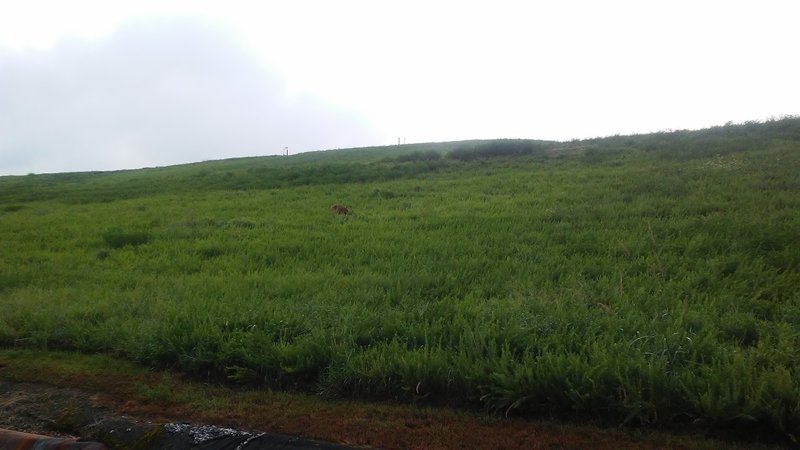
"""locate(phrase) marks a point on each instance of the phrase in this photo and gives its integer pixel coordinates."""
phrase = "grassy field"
(648, 279)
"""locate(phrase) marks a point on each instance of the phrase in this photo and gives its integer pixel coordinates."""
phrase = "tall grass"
(645, 279)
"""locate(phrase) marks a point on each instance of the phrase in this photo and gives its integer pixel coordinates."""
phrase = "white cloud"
(154, 93)
(428, 71)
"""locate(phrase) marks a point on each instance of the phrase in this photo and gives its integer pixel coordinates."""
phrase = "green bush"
(498, 148)
(420, 156)
(116, 238)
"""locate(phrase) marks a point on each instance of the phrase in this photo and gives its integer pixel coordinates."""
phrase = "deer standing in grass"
(339, 209)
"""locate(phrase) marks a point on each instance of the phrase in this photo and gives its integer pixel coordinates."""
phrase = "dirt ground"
(64, 412)
(42, 409)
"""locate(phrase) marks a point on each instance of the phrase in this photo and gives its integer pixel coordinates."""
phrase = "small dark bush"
(741, 329)
(494, 149)
(242, 223)
(210, 252)
(117, 238)
(419, 156)
(12, 208)
(10, 280)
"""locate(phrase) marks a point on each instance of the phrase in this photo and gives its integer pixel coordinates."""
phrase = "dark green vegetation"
(646, 279)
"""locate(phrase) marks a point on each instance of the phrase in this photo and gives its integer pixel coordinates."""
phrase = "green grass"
(646, 279)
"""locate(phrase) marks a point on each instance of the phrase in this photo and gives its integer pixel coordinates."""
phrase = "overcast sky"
(100, 85)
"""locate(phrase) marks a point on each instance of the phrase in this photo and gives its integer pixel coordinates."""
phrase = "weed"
(116, 238)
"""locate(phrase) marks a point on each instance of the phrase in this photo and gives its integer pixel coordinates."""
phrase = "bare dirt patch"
(72, 413)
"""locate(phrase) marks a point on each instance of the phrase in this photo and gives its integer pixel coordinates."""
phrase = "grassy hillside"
(646, 279)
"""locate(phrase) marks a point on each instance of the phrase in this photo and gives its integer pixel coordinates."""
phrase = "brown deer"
(339, 209)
